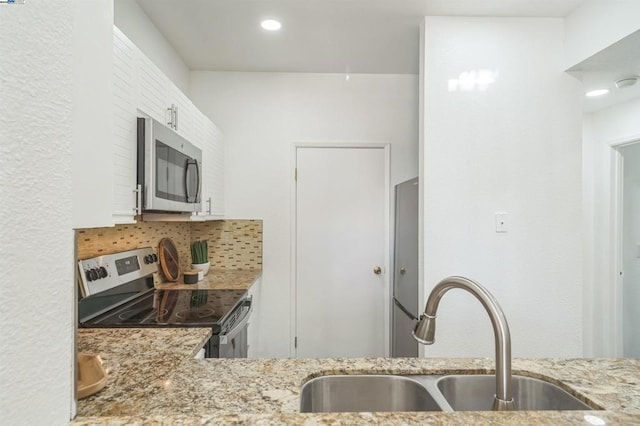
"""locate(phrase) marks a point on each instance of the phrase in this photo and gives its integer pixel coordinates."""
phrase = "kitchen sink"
(475, 393)
(365, 393)
(369, 392)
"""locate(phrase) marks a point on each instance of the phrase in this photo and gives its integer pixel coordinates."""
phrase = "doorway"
(341, 251)
(629, 243)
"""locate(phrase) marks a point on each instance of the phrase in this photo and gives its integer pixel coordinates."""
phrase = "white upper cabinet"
(212, 189)
(216, 170)
(92, 75)
(162, 100)
(140, 87)
(125, 95)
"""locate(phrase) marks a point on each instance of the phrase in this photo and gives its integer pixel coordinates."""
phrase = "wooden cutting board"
(169, 260)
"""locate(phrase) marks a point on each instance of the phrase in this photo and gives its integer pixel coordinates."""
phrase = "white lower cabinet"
(253, 327)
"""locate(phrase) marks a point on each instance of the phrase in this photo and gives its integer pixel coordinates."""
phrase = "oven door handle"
(227, 337)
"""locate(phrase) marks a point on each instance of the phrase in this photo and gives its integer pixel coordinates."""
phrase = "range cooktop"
(118, 292)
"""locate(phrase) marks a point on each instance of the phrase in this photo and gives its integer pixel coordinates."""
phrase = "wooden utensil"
(169, 259)
(92, 377)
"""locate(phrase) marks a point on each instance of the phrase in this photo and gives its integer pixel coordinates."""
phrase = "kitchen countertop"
(219, 279)
(155, 380)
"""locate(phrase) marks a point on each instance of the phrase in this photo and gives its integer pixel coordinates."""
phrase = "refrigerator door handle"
(403, 309)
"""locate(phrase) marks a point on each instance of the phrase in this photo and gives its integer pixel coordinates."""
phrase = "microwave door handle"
(186, 180)
(195, 200)
(189, 163)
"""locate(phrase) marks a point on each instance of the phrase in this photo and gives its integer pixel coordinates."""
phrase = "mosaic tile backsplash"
(233, 244)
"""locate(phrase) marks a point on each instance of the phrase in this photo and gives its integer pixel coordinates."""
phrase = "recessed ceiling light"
(597, 92)
(271, 25)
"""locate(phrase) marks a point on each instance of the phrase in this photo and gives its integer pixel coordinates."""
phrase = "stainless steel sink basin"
(475, 393)
(365, 393)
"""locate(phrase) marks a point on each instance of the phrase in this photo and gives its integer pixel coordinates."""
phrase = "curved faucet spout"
(425, 330)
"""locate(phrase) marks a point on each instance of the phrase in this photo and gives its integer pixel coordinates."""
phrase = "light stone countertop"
(218, 279)
(155, 380)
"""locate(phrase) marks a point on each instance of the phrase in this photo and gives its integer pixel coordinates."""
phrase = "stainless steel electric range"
(117, 290)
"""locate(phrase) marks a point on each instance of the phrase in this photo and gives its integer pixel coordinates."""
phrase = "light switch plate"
(502, 222)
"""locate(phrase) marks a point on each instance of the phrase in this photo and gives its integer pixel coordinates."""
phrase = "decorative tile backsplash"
(233, 244)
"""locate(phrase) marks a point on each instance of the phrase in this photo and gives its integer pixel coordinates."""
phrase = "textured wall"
(36, 318)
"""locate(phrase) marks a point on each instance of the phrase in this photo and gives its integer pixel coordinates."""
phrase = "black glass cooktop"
(158, 308)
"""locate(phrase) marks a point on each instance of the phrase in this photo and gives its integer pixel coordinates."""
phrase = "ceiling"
(352, 36)
(602, 70)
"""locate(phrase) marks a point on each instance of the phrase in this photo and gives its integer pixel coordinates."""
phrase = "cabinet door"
(210, 140)
(91, 108)
(153, 97)
(253, 326)
(212, 145)
(216, 170)
(186, 113)
(200, 140)
(141, 87)
(124, 128)
(157, 94)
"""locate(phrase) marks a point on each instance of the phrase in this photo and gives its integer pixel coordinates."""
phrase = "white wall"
(631, 249)
(132, 21)
(513, 148)
(597, 24)
(262, 115)
(601, 130)
(36, 319)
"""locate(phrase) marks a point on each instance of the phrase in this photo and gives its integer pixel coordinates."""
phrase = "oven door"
(232, 341)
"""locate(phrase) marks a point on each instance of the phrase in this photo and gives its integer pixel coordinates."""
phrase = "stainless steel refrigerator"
(404, 309)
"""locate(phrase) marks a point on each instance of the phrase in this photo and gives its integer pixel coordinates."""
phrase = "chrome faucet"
(425, 330)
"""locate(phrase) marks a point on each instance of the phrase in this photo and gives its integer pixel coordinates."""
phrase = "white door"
(341, 238)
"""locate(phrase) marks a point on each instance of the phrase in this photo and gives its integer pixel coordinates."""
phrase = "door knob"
(403, 271)
(377, 270)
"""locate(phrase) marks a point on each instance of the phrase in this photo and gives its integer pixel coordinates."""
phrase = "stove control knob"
(93, 274)
(154, 257)
(87, 274)
(102, 272)
(148, 259)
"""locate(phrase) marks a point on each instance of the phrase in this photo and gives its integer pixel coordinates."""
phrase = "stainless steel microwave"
(169, 169)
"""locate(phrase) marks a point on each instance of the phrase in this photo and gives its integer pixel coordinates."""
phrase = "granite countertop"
(219, 279)
(155, 380)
